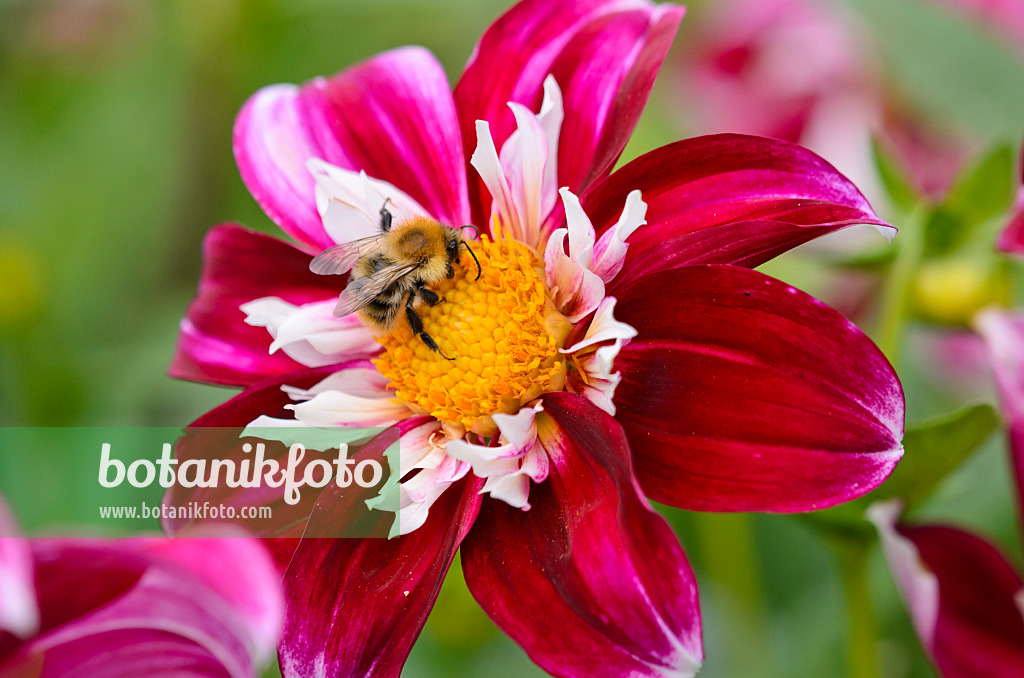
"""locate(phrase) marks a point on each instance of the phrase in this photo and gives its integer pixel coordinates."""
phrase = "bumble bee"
(392, 269)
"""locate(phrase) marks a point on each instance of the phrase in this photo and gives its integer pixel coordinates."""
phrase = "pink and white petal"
(357, 605)
(417, 448)
(603, 327)
(488, 165)
(575, 290)
(355, 377)
(19, 614)
(741, 393)
(1003, 334)
(962, 594)
(485, 460)
(215, 344)
(589, 581)
(392, 116)
(337, 408)
(519, 429)
(511, 486)
(350, 202)
(595, 379)
(581, 232)
(536, 38)
(610, 250)
(310, 334)
(725, 199)
(524, 158)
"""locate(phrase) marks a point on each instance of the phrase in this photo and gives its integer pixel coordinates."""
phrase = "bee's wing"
(361, 291)
(341, 258)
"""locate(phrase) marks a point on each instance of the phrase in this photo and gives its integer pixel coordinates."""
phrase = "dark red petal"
(604, 55)
(725, 199)
(215, 344)
(589, 581)
(216, 435)
(355, 606)
(741, 393)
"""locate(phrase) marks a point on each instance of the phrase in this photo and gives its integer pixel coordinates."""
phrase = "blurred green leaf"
(985, 189)
(894, 178)
(934, 450)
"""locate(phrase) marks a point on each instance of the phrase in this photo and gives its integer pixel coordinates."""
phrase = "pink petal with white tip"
(509, 467)
(610, 250)
(575, 290)
(603, 327)
(595, 379)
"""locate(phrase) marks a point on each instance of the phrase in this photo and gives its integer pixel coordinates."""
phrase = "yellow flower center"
(502, 331)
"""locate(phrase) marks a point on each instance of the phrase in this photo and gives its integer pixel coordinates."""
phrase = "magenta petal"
(964, 598)
(604, 55)
(278, 129)
(725, 199)
(19, 614)
(216, 435)
(741, 393)
(606, 73)
(1011, 240)
(395, 118)
(215, 344)
(357, 605)
(590, 581)
(392, 116)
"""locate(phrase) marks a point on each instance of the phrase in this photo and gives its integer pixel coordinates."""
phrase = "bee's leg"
(429, 296)
(417, 326)
(385, 216)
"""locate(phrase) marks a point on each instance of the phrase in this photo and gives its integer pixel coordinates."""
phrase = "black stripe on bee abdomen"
(381, 313)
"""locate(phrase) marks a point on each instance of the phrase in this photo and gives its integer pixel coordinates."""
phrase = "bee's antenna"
(478, 269)
(476, 231)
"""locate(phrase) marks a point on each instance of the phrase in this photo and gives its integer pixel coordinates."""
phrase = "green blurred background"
(115, 158)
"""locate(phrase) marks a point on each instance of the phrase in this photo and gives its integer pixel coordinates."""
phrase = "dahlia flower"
(89, 608)
(617, 345)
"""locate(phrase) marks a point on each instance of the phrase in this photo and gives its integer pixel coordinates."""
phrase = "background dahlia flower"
(965, 597)
(206, 605)
(617, 345)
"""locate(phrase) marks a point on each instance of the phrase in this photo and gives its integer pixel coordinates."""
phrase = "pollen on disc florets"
(502, 331)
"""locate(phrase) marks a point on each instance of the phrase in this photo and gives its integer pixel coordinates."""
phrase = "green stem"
(896, 295)
(728, 553)
(862, 648)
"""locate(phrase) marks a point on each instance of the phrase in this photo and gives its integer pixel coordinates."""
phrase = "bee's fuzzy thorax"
(423, 239)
